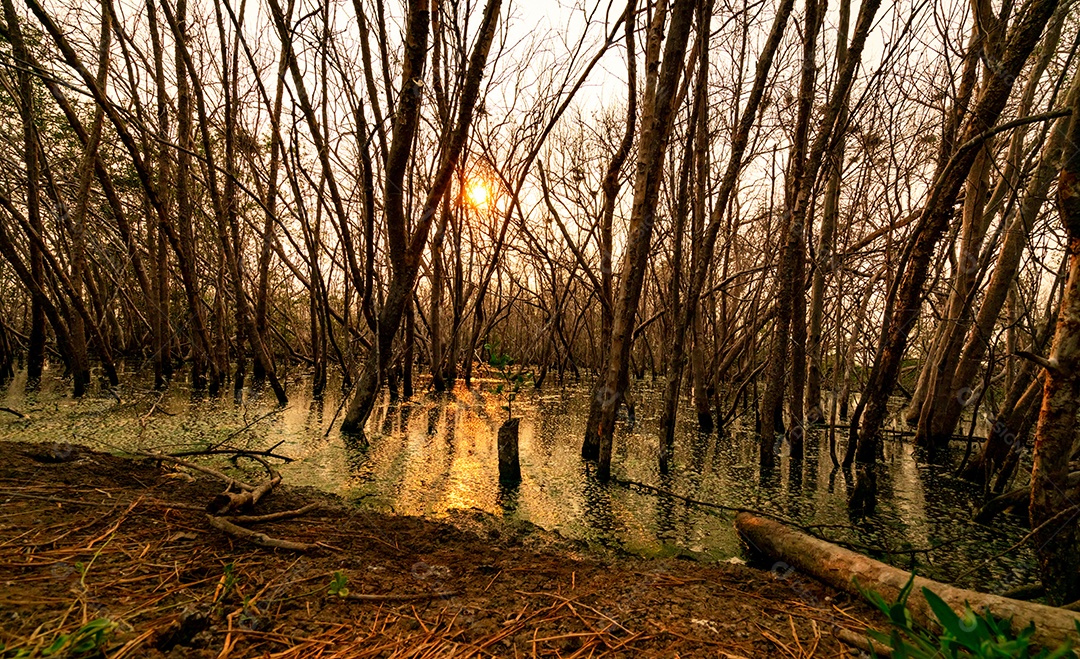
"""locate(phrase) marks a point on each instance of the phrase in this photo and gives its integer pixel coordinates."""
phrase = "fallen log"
(841, 568)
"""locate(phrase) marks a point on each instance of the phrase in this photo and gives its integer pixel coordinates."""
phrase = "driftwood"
(219, 509)
(841, 568)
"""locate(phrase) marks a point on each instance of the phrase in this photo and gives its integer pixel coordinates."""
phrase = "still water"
(436, 454)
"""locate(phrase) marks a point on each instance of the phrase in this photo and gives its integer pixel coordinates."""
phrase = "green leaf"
(338, 584)
(56, 646)
(962, 630)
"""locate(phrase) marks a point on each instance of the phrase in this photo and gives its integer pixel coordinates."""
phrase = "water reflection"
(436, 453)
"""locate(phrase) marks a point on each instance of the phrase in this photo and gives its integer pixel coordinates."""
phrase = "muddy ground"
(115, 556)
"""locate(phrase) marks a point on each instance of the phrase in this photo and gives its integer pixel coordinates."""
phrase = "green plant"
(338, 585)
(973, 635)
(90, 638)
(228, 583)
(512, 381)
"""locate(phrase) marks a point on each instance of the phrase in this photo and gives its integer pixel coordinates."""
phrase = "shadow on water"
(437, 453)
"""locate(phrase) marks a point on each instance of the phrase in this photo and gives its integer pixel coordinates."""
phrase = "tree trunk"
(673, 385)
(590, 447)
(158, 291)
(35, 352)
(701, 177)
(406, 251)
(934, 219)
(262, 291)
(661, 85)
(438, 378)
(1053, 513)
(81, 370)
(200, 340)
(823, 257)
(790, 291)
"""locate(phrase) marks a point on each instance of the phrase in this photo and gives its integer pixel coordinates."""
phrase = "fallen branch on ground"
(274, 517)
(417, 597)
(229, 480)
(860, 642)
(248, 496)
(261, 539)
(227, 502)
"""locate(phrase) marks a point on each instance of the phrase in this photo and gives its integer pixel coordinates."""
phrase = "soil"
(115, 556)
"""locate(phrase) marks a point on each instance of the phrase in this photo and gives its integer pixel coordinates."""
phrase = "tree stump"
(509, 467)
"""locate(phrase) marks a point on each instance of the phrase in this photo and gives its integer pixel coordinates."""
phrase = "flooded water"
(435, 454)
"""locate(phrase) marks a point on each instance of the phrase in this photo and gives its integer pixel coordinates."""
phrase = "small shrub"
(338, 585)
(512, 382)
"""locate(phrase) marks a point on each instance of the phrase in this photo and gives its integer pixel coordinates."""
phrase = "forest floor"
(114, 554)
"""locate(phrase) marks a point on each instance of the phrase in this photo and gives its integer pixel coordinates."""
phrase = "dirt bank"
(88, 536)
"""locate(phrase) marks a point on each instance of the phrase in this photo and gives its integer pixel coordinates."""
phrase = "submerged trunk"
(934, 220)
(406, 249)
(689, 313)
(823, 257)
(660, 90)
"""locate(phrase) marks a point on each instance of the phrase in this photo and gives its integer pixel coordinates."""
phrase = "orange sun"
(478, 193)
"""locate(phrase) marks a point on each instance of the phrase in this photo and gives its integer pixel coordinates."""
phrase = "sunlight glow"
(478, 193)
